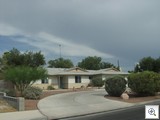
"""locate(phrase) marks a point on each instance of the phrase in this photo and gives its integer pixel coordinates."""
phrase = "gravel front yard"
(5, 107)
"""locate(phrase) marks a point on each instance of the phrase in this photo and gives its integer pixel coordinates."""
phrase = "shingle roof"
(80, 71)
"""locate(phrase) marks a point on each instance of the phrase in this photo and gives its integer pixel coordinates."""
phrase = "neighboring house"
(74, 77)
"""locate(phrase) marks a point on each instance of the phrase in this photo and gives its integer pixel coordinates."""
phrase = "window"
(77, 79)
(90, 77)
(44, 81)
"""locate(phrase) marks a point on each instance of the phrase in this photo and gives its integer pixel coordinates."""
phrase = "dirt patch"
(5, 107)
(134, 99)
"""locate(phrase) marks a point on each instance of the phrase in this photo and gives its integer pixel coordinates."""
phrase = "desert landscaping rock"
(125, 96)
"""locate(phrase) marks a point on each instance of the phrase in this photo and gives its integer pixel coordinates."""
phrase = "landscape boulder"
(125, 96)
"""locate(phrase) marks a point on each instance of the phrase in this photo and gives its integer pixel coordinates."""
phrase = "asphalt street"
(131, 113)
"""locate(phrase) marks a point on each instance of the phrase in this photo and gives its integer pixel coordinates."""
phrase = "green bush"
(115, 86)
(157, 82)
(97, 82)
(90, 85)
(145, 83)
(32, 93)
(50, 87)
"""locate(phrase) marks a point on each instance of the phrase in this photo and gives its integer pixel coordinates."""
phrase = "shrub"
(32, 93)
(50, 87)
(97, 82)
(115, 86)
(144, 83)
(157, 82)
(90, 85)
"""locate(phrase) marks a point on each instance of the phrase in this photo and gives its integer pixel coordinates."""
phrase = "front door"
(61, 82)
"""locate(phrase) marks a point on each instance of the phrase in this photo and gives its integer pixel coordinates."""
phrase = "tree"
(90, 63)
(1, 66)
(1, 75)
(24, 76)
(60, 63)
(1, 63)
(12, 58)
(15, 58)
(148, 64)
(33, 59)
(94, 63)
(157, 65)
(23, 69)
(104, 65)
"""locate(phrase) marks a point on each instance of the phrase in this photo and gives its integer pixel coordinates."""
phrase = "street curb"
(107, 111)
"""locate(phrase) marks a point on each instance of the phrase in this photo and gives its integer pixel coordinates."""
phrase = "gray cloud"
(127, 29)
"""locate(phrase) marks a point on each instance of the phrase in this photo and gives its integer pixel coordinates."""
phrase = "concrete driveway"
(78, 103)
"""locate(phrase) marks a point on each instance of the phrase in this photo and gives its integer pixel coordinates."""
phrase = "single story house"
(64, 78)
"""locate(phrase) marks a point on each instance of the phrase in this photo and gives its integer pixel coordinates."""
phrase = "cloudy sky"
(124, 30)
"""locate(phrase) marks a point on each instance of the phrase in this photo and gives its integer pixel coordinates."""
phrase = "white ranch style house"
(62, 78)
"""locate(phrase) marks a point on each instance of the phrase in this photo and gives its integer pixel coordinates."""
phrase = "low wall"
(16, 102)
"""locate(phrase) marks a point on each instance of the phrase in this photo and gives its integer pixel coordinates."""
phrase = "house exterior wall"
(84, 82)
(54, 81)
(41, 85)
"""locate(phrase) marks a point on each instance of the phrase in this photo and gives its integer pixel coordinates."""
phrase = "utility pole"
(118, 65)
(60, 50)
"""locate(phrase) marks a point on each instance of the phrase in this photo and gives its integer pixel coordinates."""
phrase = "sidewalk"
(25, 115)
(78, 103)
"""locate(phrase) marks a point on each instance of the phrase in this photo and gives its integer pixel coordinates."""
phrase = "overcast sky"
(124, 30)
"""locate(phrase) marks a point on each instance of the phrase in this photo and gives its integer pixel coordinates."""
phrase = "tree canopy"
(0, 61)
(148, 64)
(15, 58)
(23, 76)
(23, 69)
(60, 63)
(94, 63)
